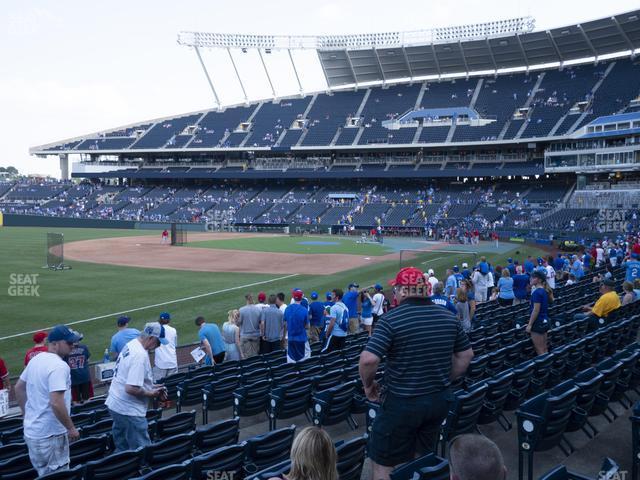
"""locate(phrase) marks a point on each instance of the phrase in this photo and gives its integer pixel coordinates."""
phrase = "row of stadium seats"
(371, 206)
(355, 117)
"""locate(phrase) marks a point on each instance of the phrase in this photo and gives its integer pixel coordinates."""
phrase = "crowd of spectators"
(421, 322)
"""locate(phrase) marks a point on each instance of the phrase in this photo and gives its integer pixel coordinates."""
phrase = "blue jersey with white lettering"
(444, 302)
(632, 268)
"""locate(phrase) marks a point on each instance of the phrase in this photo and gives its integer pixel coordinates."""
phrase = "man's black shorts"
(335, 343)
(406, 427)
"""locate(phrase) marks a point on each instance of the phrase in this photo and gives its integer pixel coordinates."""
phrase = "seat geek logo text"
(220, 475)
(23, 285)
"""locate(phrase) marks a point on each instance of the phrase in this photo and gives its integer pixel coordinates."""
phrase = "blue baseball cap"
(328, 295)
(378, 287)
(314, 295)
(62, 333)
(510, 260)
(165, 316)
(540, 261)
(123, 320)
(456, 268)
(155, 329)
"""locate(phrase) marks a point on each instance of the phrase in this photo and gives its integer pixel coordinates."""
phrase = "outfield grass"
(92, 290)
(297, 244)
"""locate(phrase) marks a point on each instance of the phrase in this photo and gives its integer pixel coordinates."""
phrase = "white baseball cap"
(465, 265)
(430, 271)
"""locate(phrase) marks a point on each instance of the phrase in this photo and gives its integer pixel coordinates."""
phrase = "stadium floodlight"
(360, 40)
(266, 44)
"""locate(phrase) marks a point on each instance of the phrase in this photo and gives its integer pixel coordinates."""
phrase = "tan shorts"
(250, 346)
(354, 325)
(314, 334)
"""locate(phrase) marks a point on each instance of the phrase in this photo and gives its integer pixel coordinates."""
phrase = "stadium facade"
(492, 102)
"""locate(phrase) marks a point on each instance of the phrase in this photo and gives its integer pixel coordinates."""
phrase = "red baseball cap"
(297, 295)
(39, 337)
(408, 276)
(262, 297)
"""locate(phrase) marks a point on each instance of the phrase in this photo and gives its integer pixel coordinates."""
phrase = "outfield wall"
(11, 220)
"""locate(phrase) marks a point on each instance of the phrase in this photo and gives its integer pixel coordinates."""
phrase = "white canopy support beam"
(464, 58)
(523, 51)
(586, 39)
(555, 47)
(407, 62)
(235, 69)
(353, 70)
(493, 58)
(324, 71)
(624, 35)
(266, 71)
(206, 74)
(435, 59)
(295, 71)
(384, 79)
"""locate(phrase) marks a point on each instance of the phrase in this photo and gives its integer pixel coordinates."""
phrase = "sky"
(72, 67)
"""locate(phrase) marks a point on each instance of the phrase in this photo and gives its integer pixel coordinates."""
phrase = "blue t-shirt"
(121, 338)
(632, 268)
(558, 264)
(316, 309)
(211, 332)
(350, 301)
(341, 313)
(512, 269)
(505, 285)
(366, 308)
(577, 270)
(586, 260)
(78, 361)
(520, 282)
(297, 318)
(540, 295)
(528, 266)
(451, 286)
(443, 302)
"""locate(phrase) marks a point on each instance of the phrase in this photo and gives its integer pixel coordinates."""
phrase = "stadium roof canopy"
(394, 56)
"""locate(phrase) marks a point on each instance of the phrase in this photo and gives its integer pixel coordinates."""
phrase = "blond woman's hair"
(232, 315)
(313, 456)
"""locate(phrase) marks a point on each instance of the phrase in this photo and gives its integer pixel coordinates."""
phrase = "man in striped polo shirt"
(425, 348)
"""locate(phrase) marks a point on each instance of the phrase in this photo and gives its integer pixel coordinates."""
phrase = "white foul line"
(185, 299)
(432, 260)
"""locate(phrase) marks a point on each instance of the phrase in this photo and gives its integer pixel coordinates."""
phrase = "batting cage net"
(55, 252)
(423, 259)
(178, 235)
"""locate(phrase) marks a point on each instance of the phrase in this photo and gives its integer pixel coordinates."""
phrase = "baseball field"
(117, 272)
